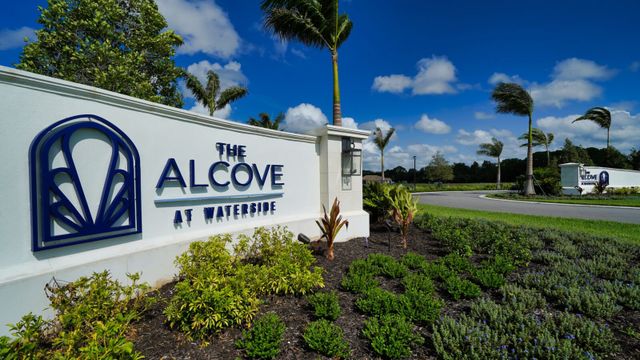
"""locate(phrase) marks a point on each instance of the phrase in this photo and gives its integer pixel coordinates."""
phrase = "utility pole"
(415, 172)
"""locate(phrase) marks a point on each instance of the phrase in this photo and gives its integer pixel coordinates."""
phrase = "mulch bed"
(153, 338)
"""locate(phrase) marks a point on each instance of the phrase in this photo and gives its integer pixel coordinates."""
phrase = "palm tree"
(600, 116)
(314, 23)
(492, 149)
(265, 121)
(512, 98)
(539, 139)
(209, 95)
(381, 140)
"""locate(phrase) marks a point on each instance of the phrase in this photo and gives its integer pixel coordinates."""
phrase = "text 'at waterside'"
(220, 174)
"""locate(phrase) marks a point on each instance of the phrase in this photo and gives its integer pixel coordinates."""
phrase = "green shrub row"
(217, 289)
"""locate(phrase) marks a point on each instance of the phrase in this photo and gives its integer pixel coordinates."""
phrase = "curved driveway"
(474, 200)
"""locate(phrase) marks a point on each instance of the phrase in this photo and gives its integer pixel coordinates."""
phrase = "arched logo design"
(85, 183)
(603, 178)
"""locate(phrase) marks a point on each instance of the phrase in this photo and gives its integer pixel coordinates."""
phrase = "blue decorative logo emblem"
(603, 178)
(85, 183)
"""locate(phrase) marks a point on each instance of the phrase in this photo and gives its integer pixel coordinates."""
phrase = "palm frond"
(213, 84)
(193, 84)
(492, 149)
(380, 139)
(512, 98)
(231, 94)
(345, 25)
(291, 24)
(599, 115)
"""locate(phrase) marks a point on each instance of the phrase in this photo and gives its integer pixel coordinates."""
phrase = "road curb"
(561, 204)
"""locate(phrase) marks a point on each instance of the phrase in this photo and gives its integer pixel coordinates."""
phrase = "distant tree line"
(486, 171)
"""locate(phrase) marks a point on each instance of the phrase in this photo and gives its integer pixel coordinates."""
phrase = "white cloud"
(635, 66)
(558, 92)
(576, 69)
(349, 122)
(432, 126)
(496, 78)
(392, 83)
(436, 75)
(480, 115)
(377, 123)
(572, 80)
(473, 138)
(229, 74)
(298, 53)
(222, 113)
(477, 137)
(625, 130)
(403, 156)
(304, 119)
(626, 105)
(10, 39)
(203, 25)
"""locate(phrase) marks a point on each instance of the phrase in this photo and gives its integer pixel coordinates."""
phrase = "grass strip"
(623, 231)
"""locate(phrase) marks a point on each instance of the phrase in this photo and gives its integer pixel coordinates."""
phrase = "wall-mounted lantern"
(351, 158)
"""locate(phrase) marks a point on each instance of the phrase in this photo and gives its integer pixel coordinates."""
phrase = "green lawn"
(457, 187)
(623, 231)
(631, 200)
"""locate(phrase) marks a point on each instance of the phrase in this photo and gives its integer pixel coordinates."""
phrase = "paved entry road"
(474, 200)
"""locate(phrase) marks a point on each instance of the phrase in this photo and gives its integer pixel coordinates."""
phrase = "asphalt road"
(473, 200)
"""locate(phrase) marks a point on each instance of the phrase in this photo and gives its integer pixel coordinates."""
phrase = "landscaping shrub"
(487, 277)
(548, 180)
(419, 306)
(626, 294)
(377, 301)
(92, 318)
(419, 283)
(391, 336)
(359, 283)
(413, 261)
(327, 338)
(375, 200)
(387, 266)
(217, 289)
(263, 340)
(461, 288)
(403, 209)
(325, 305)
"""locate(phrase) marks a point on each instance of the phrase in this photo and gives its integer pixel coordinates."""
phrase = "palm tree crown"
(493, 149)
(265, 121)
(381, 140)
(539, 138)
(512, 98)
(209, 95)
(600, 116)
(316, 23)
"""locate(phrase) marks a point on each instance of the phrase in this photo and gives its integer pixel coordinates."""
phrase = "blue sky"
(424, 67)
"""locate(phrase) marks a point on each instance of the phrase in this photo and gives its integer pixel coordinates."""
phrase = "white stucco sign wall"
(94, 180)
(577, 179)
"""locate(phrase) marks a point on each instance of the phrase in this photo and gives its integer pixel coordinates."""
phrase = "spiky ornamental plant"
(266, 122)
(209, 94)
(403, 210)
(493, 149)
(316, 23)
(512, 98)
(330, 225)
(381, 140)
(600, 116)
(540, 138)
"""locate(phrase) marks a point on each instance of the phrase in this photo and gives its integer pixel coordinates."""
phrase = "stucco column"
(332, 179)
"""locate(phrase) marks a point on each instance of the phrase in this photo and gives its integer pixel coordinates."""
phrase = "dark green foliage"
(391, 336)
(461, 288)
(413, 261)
(387, 266)
(326, 338)
(325, 305)
(377, 301)
(121, 46)
(263, 340)
(218, 289)
(547, 180)
(418, 282)
(456, 263)
(358, 283)
(420, 307)
(487, 277)
(375, 200)
(93, 315)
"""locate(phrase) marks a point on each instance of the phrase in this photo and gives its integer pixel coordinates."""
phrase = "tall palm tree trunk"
(528, 186)
(498, 185)
(608, 138)
(337, 115)
(382, 164)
